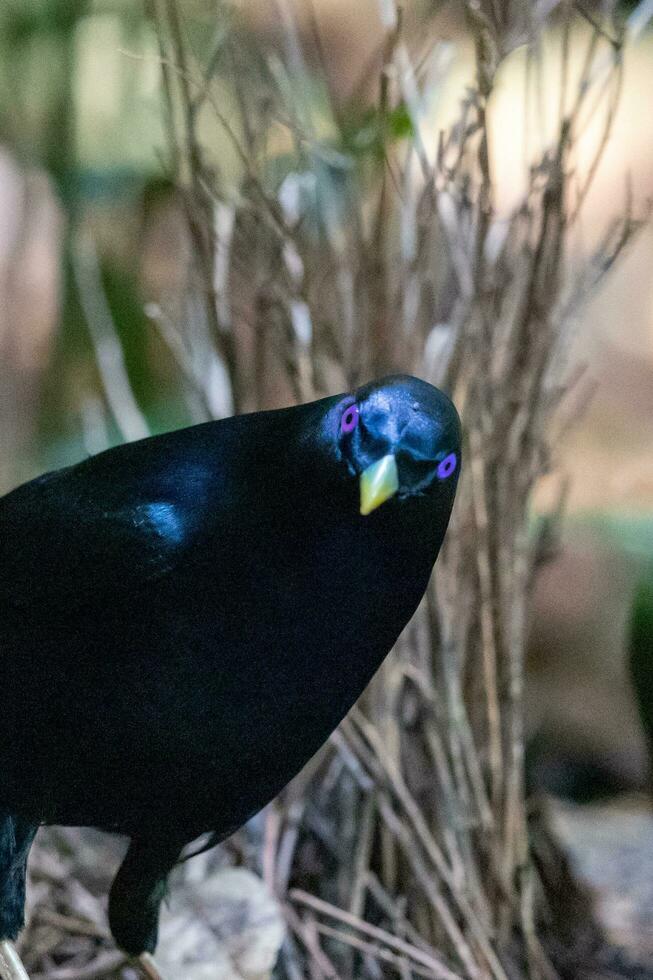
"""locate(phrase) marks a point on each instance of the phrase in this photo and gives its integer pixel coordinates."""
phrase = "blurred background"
(94, 266)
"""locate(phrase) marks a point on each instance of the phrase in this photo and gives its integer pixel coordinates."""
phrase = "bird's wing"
(87, 535)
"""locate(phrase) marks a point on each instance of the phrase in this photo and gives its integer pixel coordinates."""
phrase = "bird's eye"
(349, 420)
(447, 466)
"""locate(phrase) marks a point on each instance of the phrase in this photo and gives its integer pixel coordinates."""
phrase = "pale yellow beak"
(378, 483)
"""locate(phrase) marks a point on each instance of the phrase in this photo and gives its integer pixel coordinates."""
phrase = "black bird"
(185, 619)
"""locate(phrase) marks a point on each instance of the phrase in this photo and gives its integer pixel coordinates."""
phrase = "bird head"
(401, 438)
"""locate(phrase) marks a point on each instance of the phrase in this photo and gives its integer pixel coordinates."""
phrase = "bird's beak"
(378, 483)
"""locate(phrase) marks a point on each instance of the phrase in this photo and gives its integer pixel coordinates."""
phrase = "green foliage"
(641, 649)
(367, 132)
(22, 19)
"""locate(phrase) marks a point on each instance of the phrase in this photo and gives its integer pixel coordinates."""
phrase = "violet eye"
(447, 466)
(349, 420)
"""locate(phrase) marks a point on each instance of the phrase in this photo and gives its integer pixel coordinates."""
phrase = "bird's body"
(184, 620)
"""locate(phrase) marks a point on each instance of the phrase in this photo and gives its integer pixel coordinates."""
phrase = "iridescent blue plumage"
(164, 519)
